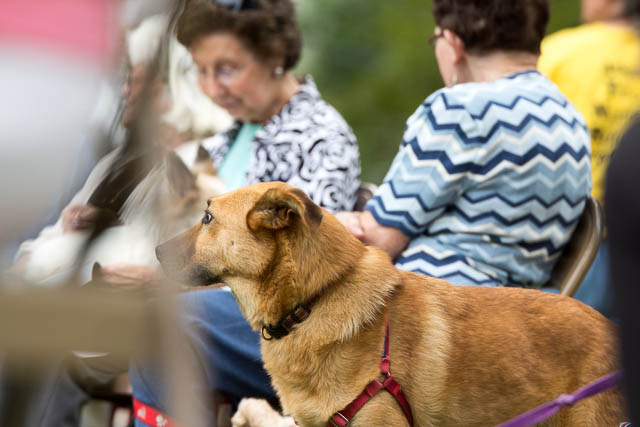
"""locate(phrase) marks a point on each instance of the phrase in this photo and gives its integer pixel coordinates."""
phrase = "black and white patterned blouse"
(307, 145)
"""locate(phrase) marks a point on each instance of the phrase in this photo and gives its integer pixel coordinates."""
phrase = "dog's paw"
(258, 413)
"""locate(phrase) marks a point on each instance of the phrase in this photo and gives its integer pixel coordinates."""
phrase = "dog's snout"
(175, 253)
(168, 253)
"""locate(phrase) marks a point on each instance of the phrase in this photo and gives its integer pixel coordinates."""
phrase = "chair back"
(363, 194)
(577, 256)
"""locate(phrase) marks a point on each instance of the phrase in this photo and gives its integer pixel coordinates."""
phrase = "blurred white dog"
(191, 110)
(168, 200)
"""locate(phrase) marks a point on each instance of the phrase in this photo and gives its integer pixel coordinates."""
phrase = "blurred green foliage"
(371, 60)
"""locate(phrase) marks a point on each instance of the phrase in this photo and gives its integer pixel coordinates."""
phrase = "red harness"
(343, 417)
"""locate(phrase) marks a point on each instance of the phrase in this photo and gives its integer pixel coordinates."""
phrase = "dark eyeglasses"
(237, 5)
(432, 40)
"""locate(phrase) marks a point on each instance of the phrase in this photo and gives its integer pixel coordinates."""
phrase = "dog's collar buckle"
(265, 334)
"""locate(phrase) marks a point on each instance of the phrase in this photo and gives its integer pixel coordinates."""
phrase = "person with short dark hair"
(495, 26)
(493, 170)
(244, 55)
(268, 28)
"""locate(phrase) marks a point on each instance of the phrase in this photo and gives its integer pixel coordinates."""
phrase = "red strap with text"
(151, 416)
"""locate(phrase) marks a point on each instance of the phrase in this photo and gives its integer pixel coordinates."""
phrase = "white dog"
(180, 195)
(169, 200)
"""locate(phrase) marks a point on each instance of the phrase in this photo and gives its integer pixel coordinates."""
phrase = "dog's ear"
(96, 271)
(180, 177)
(202, 155)
(278, 209)
(203, 162)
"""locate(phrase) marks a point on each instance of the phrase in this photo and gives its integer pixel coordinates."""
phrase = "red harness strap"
(155, 418)
(342, 418)
(152, 417)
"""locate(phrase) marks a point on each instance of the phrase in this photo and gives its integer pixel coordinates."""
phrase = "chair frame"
(365, 192)
(579, 253)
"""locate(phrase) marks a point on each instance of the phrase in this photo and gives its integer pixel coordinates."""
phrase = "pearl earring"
(279, 71)
(454, 78)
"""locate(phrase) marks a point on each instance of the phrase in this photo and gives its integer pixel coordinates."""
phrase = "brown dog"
(464, 355)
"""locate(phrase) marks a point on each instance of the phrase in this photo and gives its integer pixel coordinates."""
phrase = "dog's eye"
(207, 218)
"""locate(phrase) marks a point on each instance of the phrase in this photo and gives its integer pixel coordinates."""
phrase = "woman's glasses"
(237, 5)
(436, 35)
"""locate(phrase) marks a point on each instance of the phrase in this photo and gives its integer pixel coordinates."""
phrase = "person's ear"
(277, 67)
(456, 44)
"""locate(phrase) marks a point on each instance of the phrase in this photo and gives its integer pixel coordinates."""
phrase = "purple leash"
(548, 409)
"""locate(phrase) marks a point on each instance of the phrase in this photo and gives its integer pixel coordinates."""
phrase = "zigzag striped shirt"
(489, 182)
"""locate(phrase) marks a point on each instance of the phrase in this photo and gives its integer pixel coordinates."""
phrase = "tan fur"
(465, 356)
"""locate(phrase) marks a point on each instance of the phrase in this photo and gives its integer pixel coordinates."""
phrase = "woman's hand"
(77, 217)
(351, 220)
(365, 227)
(128, 277)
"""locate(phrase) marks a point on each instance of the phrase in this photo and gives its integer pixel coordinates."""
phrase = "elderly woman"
(244, 51)
(284, 130)
(494, 169)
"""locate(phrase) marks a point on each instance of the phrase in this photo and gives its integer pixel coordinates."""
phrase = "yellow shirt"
(597, 67)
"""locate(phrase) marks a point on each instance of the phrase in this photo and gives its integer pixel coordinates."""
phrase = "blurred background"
(61, 61)
(371, 60)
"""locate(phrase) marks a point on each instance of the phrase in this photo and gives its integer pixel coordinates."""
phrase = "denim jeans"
(228, 351)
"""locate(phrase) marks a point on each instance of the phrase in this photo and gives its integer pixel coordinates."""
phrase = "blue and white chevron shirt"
(489, 182)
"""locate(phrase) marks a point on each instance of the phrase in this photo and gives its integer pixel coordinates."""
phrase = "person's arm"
(365, 227)
(63, 225)
(128, 277)
(418, 187)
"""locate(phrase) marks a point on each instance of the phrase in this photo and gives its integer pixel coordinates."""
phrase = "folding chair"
(578, 255)
(363, 194)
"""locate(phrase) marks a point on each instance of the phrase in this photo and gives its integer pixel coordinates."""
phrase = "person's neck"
(617, 22)
(611, 12)
(493, 66)
(288, 86)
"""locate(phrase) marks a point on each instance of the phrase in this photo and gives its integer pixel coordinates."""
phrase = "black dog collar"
(286, 324)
